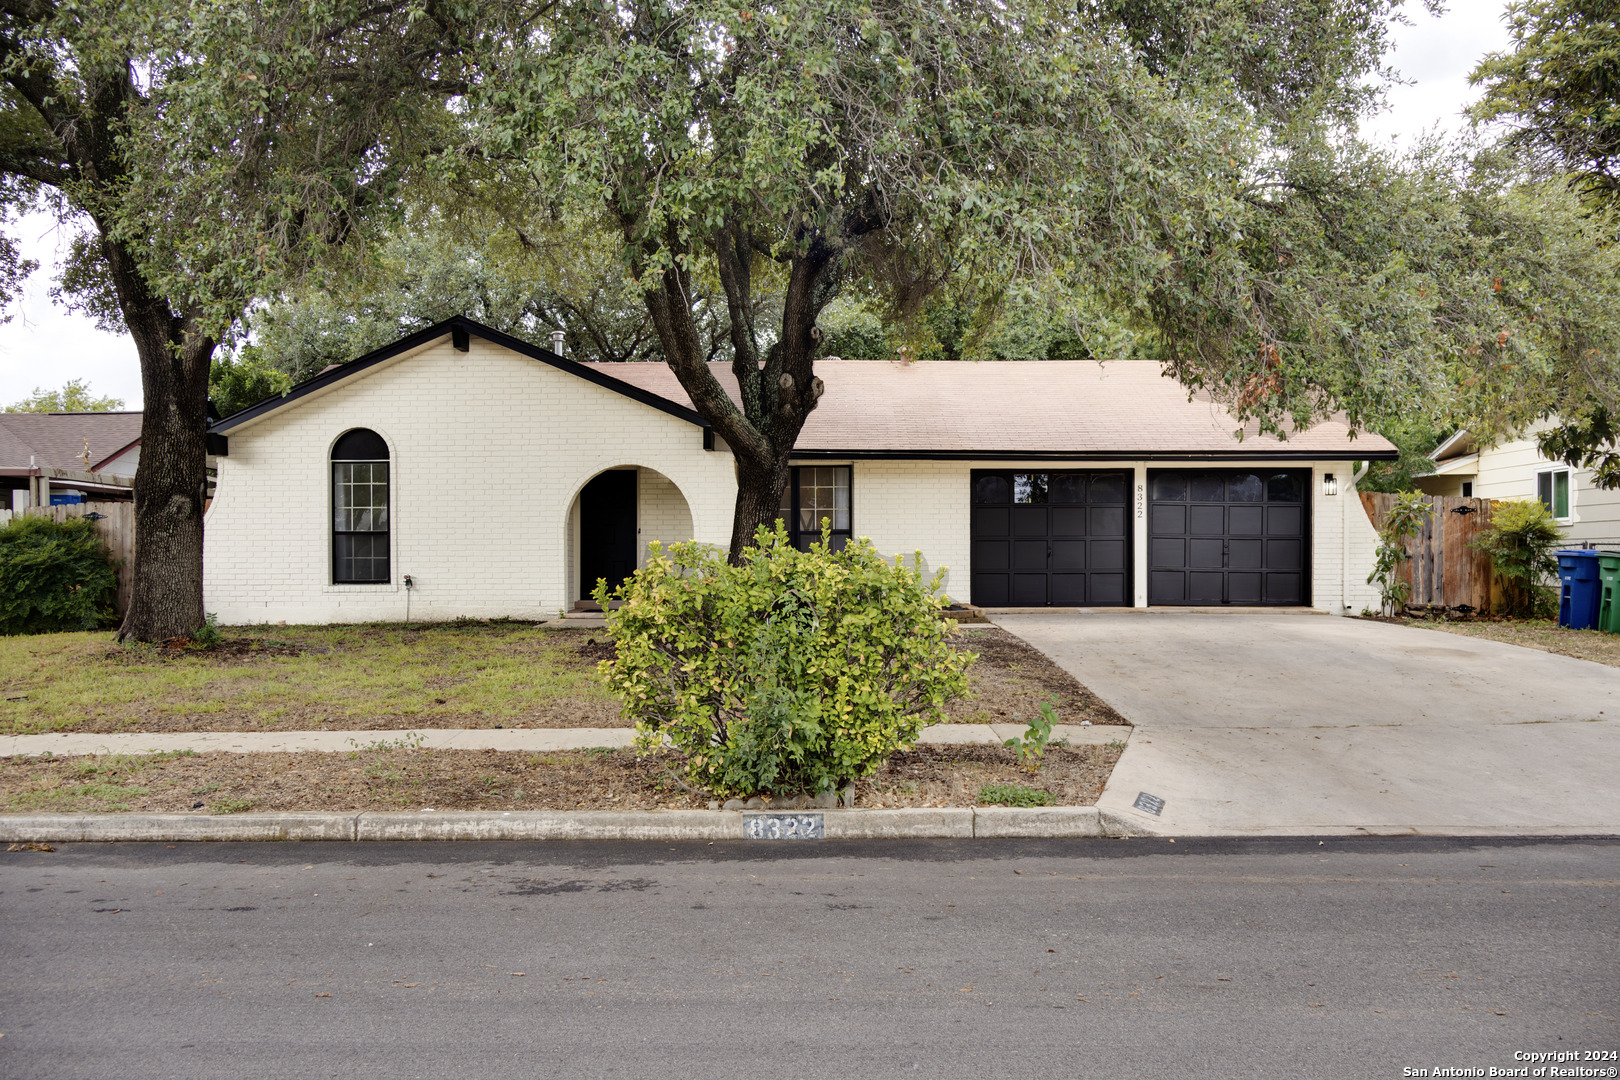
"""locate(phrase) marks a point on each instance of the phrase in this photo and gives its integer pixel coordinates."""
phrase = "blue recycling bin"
(1580, 589)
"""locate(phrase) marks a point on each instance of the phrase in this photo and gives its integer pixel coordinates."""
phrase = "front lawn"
(440, 675)
(463, 674)
(391, 775)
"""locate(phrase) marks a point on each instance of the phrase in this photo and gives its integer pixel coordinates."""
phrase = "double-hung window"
(817, 493)
(1552, 488)
(360, 509)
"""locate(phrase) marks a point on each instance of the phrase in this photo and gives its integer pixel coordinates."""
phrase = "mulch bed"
(407, 779)
(1012, 678)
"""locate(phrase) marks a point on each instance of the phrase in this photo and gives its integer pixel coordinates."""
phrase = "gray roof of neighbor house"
(967, 409)
(57, 440)
(876, 409)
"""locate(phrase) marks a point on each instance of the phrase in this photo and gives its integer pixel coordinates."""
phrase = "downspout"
(1344, 537)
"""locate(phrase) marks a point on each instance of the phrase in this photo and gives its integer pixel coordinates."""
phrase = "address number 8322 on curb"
(786, 826)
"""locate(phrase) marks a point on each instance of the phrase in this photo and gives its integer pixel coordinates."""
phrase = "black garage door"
(1058, 538)
(1228, 537)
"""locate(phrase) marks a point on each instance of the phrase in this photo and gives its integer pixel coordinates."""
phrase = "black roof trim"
(1095, 455)
(457, 325)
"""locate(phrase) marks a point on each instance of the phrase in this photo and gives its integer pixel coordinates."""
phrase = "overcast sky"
(44, 346)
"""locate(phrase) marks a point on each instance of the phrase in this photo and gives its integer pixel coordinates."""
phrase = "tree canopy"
(1556, 95)
(75, 396)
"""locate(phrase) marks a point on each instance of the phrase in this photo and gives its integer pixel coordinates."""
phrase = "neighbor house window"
(1552, 488)
(360, 509)
(1468, 489)
(814, 493)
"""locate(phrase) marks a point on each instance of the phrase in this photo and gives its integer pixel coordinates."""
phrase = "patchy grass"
(1543, 634)
(463, 674)
(407, 779)
(1013, 795)
(460, 674)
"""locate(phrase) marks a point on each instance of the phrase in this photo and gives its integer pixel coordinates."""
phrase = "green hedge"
(796, 671)
(54, 576)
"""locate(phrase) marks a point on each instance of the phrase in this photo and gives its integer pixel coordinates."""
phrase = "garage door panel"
(1227, 536)
(990, 555)
(1167, 587)
(1246, 520)
(1246, 554)
(1029, 590)
(1170, 554)
(1030, 521)
(1068, 521)
(1206, 520)
(1244, 588)
(1285, 588)
(1108, 589)
(992, 521)
(1285, 554)
(1107, 520)
(991, 590)
(1170, 520)
(1204, 587)
(1069, 589)
(1109, 554)
(1206, 552)
(1029, 555)
(1285, 521)
(1067, 555)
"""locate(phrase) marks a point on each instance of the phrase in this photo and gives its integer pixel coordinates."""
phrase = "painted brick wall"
(489, 453)
(903, 506)
(661, 512)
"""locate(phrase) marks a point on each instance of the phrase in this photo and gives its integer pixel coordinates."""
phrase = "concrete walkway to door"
(1294, 724)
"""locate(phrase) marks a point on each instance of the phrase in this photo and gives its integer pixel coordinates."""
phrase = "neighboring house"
(1515, 469)
(33, 446)
(504, 480)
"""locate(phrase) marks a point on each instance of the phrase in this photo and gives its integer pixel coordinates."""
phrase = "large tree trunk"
(759, 498)
(166, 600)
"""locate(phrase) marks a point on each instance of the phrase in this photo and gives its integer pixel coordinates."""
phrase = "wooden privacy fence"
(1444, 570)
(116, 526)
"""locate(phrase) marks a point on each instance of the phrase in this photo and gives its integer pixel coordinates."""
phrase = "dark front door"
(1051, 538)
(1228, 536)
(607, 530)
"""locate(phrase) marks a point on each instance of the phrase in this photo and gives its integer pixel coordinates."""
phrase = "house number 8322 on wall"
(786, 826)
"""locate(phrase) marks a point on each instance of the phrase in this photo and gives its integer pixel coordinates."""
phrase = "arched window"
(360, 509)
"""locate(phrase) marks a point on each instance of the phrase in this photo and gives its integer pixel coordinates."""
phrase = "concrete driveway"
(1305, 723)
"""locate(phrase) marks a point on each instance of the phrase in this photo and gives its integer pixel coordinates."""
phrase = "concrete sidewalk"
(1315, 725)
(531, 740)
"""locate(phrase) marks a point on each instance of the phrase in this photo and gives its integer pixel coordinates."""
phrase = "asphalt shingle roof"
(1124, 409)
(57, 440)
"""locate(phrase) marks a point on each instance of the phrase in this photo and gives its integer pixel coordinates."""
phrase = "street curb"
(953, 823)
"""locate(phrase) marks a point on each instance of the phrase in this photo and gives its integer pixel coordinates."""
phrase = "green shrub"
(1522, 542)
(54, 576)
(1013, 795)
(795, 671)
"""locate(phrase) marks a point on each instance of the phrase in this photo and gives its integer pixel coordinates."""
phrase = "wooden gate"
(1444, 570)
(116, 526)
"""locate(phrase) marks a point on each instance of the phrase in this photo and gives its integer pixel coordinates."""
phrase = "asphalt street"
(1098, 958)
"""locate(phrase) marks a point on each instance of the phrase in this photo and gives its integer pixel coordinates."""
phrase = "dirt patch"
(407, 779)
(1010, 680)
(1543, 635)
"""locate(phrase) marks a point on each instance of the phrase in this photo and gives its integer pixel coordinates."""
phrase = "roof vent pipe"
(557, 337)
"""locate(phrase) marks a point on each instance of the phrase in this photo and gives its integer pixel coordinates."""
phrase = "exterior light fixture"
(1330, 484)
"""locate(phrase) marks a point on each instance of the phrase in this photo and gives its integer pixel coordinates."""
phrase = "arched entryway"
(616, 515)
(607, 530)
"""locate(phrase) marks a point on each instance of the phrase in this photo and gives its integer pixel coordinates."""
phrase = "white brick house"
(502, 479)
